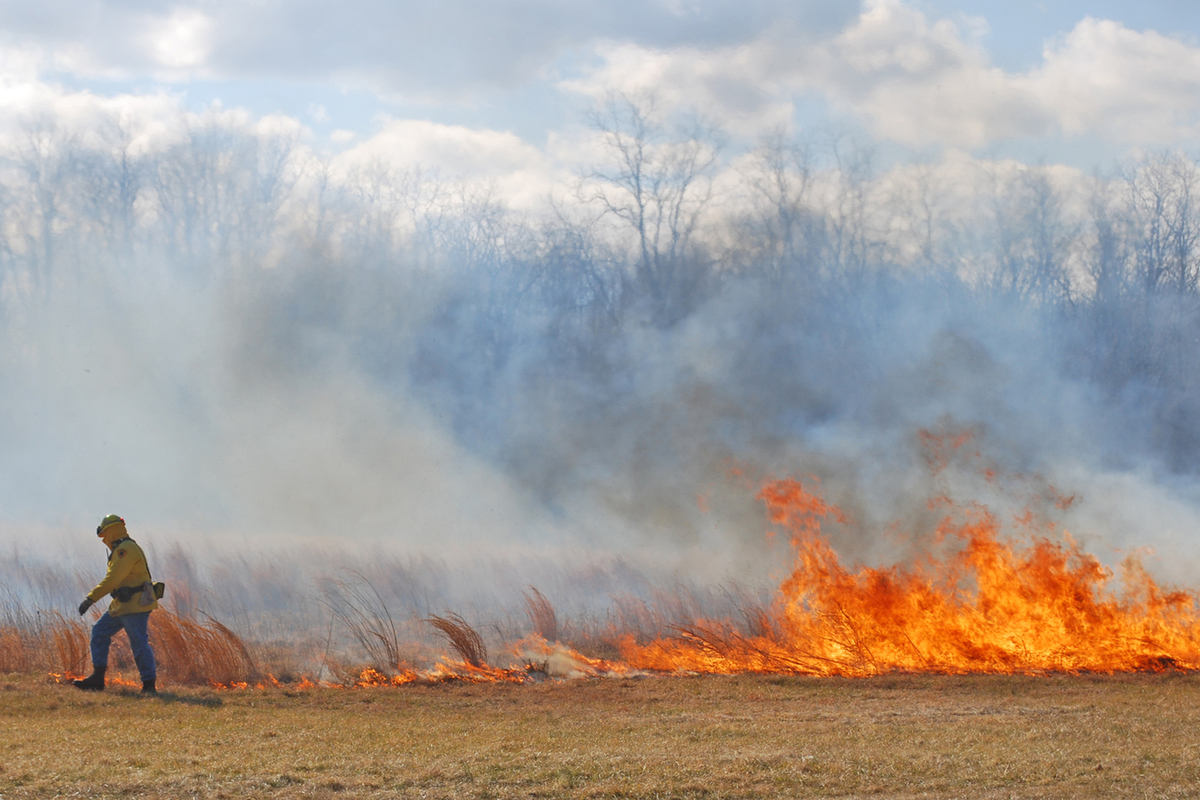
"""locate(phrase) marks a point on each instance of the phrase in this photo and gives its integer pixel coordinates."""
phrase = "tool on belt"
(126, 593)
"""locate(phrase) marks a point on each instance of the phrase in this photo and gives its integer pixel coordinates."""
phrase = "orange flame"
(975, 601)
(112, 679)
(992, 606)
(448, 672)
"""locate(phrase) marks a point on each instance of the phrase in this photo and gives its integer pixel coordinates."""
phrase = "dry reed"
(44, 641)
(541, 615)
(361, 610)
(17, 650)
(68, 641)
(199, 654)
(462, 637)
(187, 652)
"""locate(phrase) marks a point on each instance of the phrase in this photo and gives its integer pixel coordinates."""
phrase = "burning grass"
(978, 598)
(465, 640)
(899, 736)
(988, 604)
(975, 602)
(979, 670)
(541, 615)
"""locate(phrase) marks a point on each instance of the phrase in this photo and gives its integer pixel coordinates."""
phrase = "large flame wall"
(974, 602)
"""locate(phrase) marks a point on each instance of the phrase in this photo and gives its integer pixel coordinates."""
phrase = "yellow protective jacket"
(126, 567)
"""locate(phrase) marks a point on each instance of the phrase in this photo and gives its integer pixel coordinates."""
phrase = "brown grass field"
(905, 736)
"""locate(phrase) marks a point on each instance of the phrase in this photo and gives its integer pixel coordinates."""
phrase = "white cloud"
(922, 82)
(1141, 86)
(908, 76)
(731, 84)
(455, 148)
(912, 80)
(430, 50)
(142, 122)
(520, 172)
(181, 41)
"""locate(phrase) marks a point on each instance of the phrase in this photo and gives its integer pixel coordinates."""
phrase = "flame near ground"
(974, 600)
(992, 605)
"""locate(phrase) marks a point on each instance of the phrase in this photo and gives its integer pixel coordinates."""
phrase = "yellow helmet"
(108, 522)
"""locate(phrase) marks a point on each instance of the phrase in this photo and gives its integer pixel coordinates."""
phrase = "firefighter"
(133, 598)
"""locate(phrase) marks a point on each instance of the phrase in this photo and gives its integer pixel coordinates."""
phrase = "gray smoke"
(351, 374)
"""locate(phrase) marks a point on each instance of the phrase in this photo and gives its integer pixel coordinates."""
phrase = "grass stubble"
(902, 736)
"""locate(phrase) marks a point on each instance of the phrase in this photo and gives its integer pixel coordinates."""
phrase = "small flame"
(556, 660)
(448, 672)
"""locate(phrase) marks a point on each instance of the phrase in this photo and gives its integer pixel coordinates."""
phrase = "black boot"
(93, 682)
(148, 687)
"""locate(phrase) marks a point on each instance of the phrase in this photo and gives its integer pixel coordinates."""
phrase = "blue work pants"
(135, 626)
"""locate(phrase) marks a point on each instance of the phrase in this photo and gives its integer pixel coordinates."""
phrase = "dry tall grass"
(462, 637)
(360, 610)
(17, 648)
(69, 642)
(541, 615)
(198, 654)
(43, 641)
(187, 652)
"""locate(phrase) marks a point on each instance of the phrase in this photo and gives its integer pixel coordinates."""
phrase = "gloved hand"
(84, 606)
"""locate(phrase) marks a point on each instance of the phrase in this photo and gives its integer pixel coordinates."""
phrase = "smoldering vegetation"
(315, 385)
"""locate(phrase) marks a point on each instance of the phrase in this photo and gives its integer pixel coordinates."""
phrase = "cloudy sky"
(475, 84)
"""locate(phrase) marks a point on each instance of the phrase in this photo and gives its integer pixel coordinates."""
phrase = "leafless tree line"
(669, 218)
(647, 228)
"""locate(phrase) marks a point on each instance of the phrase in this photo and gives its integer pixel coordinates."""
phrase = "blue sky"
(1017, 31)
(1082, 83)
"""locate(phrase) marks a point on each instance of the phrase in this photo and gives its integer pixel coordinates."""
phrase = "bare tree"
(220, 195)
(786, 233)
(578, 280)
(919, 208)
(1161, 190)
(853, 241)
(477, 230)
(372, 206)
(267, 180)
(321, 173)
(111, 179)
(188, 184)
(43, 161)
(1032, 238)
(388, 214)
(657, 182)
(1108, 253)
(1048, 238)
